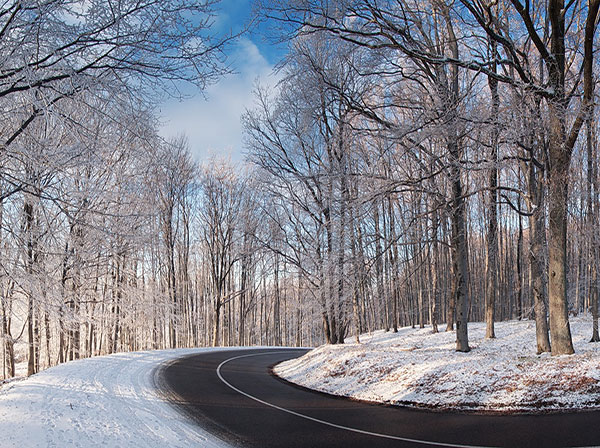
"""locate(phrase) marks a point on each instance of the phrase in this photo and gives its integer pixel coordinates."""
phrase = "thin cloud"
(213, 125)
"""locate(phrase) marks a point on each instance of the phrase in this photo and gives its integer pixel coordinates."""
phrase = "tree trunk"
(491, 273)
(379, 262)
(536, 260)
(592, 223)
(459, 263)
(558, 178)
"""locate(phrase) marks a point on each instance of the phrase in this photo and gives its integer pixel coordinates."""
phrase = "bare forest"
(421, 163)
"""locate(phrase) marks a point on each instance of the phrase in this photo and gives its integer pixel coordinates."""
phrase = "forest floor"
(106, 401)
(417, 368)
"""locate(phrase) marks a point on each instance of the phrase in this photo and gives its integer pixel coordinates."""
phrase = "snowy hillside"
(415, 367)
(106, 401)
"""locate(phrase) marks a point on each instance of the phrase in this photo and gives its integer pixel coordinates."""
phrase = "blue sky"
(235, 13)
(212, 122)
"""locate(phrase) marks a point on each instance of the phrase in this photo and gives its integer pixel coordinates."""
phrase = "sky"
(211, 121)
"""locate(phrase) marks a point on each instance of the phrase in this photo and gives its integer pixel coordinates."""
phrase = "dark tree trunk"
(491, 273)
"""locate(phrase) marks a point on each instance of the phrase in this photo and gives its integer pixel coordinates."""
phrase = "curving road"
(233, 395)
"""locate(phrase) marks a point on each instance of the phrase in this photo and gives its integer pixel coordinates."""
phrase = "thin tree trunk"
(491, 274)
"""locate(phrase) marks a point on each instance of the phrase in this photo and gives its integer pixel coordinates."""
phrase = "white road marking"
(334, 425)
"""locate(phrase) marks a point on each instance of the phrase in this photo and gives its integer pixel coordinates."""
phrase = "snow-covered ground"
(417, 368)
(107, 401)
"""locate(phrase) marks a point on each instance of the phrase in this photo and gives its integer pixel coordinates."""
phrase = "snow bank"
(417, 368)
(106, 401)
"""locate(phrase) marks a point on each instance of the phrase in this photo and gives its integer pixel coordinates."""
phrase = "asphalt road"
(233, 395)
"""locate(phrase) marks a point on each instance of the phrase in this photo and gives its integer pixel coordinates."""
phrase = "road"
(233, 395)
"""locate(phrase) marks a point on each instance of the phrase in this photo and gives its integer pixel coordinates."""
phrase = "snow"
(417, 368)
(101, 401)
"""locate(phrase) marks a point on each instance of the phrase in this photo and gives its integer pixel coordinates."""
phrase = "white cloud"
(213, 125)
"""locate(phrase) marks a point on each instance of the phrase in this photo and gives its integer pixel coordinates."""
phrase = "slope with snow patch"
(417, 368)
(106, 401)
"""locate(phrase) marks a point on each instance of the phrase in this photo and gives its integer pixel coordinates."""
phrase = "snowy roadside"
(106, 401)
(417, 368)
